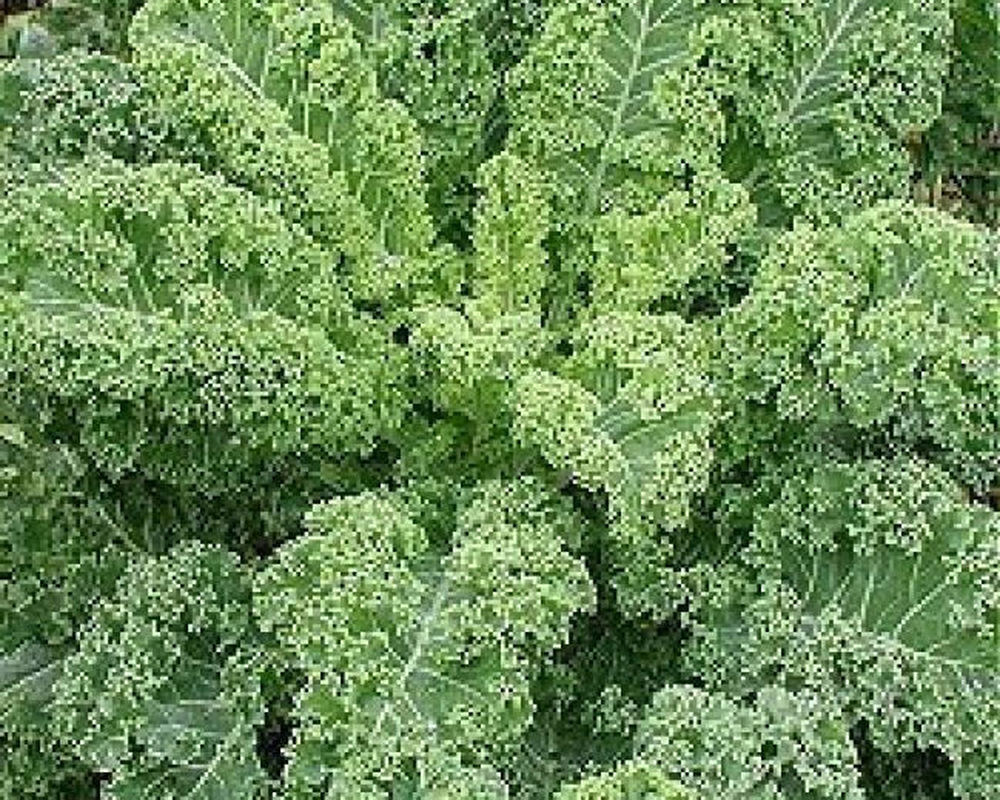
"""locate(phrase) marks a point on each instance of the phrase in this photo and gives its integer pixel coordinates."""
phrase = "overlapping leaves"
(878, 586)
(163, 693)
(182, 310)
(414, 663)
(632, 418)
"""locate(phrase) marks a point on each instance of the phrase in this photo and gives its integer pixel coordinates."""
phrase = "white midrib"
(423, 636)
(910, 614)
(917, 608)
(616, 121)
(227, 60)
(914, 610)
(234, 736)
(27, 677)
(821, 60)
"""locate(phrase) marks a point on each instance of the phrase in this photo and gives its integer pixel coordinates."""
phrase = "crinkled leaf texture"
(648, 436)
(878, 586)
(782, 745)
(65, 106)
(191, 318)
(628, 140)
(887, 326)
(824, 93)
(633, 779)
(163, 693)
(511, 222)
(293, 76)
(416, 666)
(59, 554)
(470, 361)
(634, 423)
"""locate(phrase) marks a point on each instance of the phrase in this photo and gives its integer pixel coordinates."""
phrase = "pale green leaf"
(782, 746)
(585, 97)
(410, 658)
(633, 780)
(878, 585)
(164, 690)
(133, 280)
(638, 429)
(305, 61)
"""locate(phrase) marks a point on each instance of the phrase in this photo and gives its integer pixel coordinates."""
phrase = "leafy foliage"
(432, 654)
(163, 692)
(493, 400)
(876, 585)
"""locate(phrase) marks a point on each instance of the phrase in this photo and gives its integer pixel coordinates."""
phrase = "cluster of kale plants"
(498, 400)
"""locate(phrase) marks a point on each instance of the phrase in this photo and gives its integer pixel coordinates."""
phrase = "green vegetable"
(481, 400)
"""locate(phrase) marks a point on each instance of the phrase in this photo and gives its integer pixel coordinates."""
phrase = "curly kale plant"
(481, 400)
